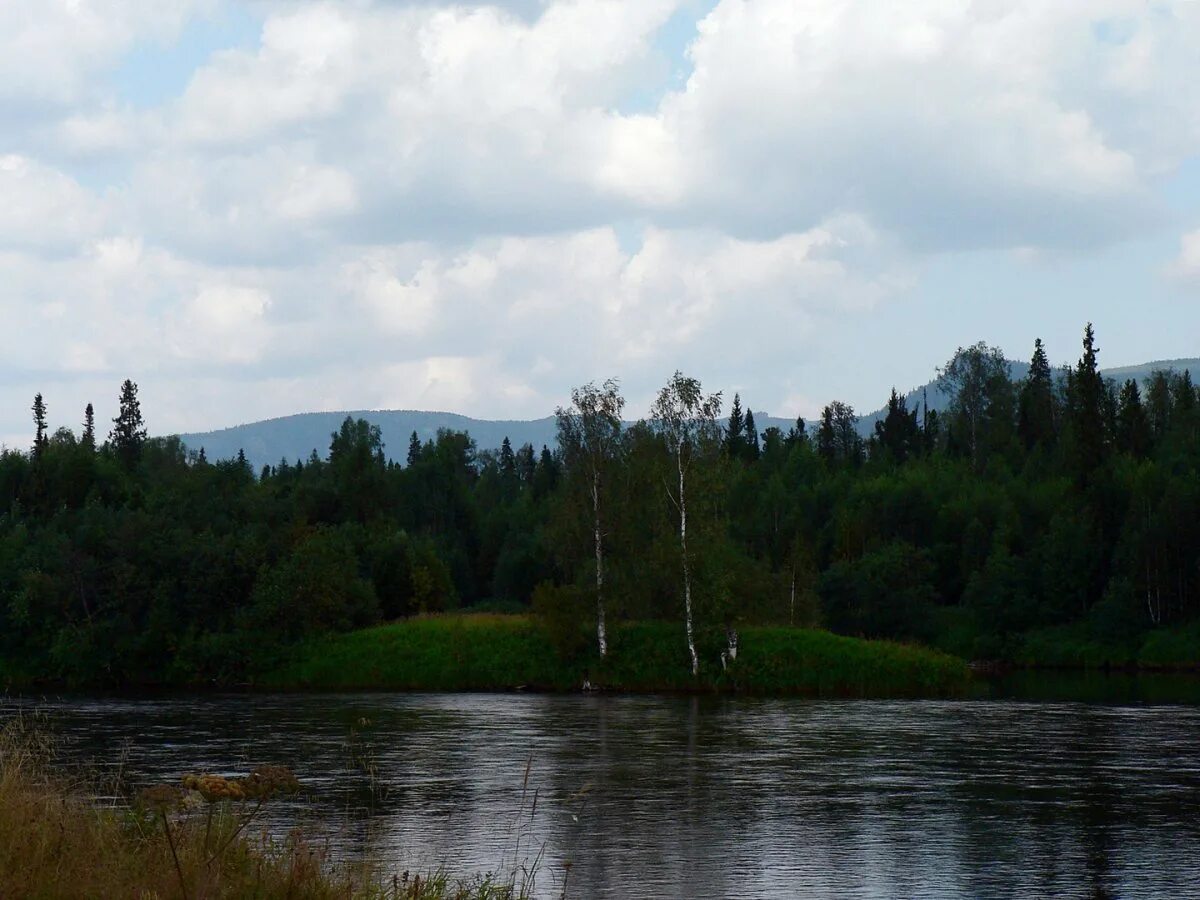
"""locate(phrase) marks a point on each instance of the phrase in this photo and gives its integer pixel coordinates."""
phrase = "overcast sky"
(260, 208)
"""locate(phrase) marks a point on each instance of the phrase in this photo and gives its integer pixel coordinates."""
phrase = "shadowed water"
(684, 797)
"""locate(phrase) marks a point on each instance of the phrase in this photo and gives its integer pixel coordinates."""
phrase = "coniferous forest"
(1055, 519)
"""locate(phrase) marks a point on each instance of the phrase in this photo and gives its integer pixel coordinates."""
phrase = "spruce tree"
(897, 432)
(798, 433)
(508, 459)
(1184, 393)
(1035, 406)
(89, 427)
(753, 448)
(1159, 404)
(735, 431)
(526, 464)
(39, 422)
(1133, 425)
(1086, 402)
(129, 431)
(414, 449)
(545, 478)
(826, 437)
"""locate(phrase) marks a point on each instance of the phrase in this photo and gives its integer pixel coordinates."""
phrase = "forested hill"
(1032, 521)
(295, 437)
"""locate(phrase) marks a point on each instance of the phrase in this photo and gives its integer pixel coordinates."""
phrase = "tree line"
(1060, 500)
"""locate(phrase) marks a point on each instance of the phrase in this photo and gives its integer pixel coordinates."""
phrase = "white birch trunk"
(792, 602)
(601, 633)
(687, 574)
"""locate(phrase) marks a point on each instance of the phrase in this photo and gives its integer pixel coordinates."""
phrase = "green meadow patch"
(509, 652)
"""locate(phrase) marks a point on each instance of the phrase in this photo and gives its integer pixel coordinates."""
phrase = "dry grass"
(55, 842)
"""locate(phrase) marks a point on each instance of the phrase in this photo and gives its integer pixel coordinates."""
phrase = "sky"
(259, 208)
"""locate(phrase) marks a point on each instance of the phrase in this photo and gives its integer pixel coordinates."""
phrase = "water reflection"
(708, 797)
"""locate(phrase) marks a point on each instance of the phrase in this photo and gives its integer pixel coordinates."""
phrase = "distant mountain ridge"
(296, 436)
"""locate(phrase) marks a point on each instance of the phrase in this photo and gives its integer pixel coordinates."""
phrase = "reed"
(171, 841)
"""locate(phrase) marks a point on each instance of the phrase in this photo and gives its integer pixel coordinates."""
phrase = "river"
(652, 796)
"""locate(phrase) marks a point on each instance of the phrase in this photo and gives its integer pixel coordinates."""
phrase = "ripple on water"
(690, 797)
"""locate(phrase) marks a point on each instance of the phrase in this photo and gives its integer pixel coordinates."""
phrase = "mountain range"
(296, 436)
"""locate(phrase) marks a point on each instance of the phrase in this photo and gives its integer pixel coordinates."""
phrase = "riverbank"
(511, 652)
(60, 843)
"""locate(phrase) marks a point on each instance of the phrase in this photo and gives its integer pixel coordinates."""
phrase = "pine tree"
(753, 448)
(39, 421)
(202, 458)
(414, 449)
(735, 432)
(89, 427)
(129, 431)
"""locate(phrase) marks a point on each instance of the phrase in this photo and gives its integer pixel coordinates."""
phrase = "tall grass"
(503, 652)
(56, 842)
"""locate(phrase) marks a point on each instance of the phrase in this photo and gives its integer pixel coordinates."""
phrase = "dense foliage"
(1063, 504)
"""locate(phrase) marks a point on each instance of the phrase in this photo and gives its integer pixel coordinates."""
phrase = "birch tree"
(687, 420)
(589, 433)
(969, 379)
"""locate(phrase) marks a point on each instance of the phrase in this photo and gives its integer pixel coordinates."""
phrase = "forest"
(1058, 511)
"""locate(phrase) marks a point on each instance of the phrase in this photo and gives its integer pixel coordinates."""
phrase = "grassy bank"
(1080, 646)
(500, 652)
(55, 842)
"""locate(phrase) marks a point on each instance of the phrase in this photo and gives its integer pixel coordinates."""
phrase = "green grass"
(502, 652)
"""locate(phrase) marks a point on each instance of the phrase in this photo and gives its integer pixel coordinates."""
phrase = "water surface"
(705, 797)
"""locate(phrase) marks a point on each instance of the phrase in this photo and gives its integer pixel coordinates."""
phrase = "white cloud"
(223, 322)
(432, 203)
(964, 124)
(1186, 267)
(53, 51)
(43, 209)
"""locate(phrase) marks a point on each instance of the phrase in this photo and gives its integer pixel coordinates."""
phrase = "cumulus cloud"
(952, 125)
(477, 205)
(1186, 267)
(43, 209)
(960, 125)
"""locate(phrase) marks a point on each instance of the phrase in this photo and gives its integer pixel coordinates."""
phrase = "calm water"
(679, 797)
